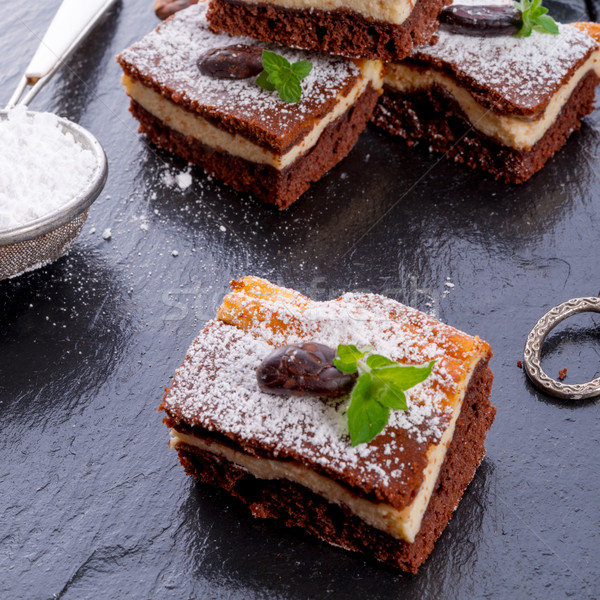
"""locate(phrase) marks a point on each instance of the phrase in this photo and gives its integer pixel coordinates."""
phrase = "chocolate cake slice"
(290, 457)
(502, 103)
(195, 94)
(385, 30)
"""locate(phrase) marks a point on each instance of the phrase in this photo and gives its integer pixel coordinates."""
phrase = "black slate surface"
(94, 505)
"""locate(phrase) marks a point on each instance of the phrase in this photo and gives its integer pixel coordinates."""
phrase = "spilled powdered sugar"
(525, 71)
(180, 181)
(216, 386)
(169, 56)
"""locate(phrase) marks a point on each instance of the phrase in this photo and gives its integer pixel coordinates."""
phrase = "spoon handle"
(73, 21)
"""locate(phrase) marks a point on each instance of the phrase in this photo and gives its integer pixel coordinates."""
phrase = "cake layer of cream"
(394, 12)
(403, 524)
(192, 124)
(514, 131)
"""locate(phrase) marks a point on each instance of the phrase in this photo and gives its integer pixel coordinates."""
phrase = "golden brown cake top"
(167, 61)
(216, 390)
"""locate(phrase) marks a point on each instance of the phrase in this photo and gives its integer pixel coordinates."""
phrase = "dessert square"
(503, 104)
(195, 94)
(290, 457)
(386, 31)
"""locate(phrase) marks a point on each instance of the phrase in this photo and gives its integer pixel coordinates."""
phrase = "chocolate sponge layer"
(341, 32)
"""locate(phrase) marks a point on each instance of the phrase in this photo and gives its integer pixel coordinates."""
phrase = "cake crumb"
(519, 364)
(562, 373)
(106, 234)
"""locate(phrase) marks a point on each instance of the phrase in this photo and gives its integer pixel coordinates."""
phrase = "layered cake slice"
(386, 30)
(500, 103)
(195, 94)
(260, 408)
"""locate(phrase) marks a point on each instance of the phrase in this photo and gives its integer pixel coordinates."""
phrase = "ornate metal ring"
(533, 351)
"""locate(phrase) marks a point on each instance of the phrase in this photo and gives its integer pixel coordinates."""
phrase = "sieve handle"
(73, 21)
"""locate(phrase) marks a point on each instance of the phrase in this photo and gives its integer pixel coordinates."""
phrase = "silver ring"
(533, 351)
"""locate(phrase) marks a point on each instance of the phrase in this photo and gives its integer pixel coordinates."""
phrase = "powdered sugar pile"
(41, 167)
(217, 389)
(170, 54)
(524, 71)
(180, 180)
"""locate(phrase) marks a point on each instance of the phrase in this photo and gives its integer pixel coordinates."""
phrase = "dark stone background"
(94, 505)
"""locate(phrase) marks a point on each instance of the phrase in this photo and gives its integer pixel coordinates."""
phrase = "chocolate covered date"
(166, 8)
(304, 370)
(480, 20)
(238, 61)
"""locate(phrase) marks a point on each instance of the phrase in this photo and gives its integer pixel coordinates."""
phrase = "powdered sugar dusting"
(169, 57)
(216, 388)
(523, 71)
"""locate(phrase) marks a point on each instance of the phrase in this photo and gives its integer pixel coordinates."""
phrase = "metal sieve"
(46, 239)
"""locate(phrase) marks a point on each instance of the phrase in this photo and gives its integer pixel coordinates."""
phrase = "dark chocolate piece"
(239, 61)
(303, 370)
(480, 20)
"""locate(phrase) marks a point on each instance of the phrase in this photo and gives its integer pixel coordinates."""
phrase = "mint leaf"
(348, 356)
(389, 382)
(526, 29)
(290, 91)
(403, 376)
(388, 393)
(263, 81)
(302, 68)
(366, 416)
(377, 360)
(281, 76)
(274, 62)
(534, 17)
(546, 24)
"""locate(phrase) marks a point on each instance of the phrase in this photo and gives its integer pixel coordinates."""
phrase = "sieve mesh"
(20, 257)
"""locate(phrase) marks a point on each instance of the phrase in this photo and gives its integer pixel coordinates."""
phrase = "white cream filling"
(517, 132)
(394, 12)
(404, 524)
(191, 124)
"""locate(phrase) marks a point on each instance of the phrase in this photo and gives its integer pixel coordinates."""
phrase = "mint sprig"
(348, 356)
(380, 387)
(282, 76)
(534, 17)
